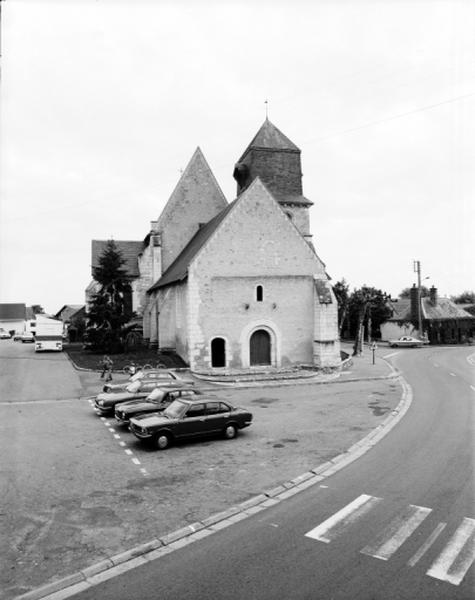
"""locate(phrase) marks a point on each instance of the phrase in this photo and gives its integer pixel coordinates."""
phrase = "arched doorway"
(218, 352)
(259, 348)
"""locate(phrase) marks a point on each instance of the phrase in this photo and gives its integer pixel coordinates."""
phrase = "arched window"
(218, 352)
(259, 293)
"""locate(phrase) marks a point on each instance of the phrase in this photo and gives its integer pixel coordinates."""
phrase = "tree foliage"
(466, 297)
(37, 309)
(342, 292)
(368, 309)
(110, 308)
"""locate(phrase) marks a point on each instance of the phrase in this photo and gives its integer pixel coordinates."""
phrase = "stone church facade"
(239, 285)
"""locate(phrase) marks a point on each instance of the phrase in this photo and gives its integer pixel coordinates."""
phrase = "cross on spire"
(266, 102)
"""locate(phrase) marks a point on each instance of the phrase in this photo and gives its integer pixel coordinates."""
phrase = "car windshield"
(176, 409)
(137, 376)
(133, 387)
(156, 395)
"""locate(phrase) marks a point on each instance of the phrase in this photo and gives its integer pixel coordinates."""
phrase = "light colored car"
(155, 375)
(4, 335)
(406, 342)
(27, 337)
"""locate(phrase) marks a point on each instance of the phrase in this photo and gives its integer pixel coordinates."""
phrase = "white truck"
(48, 334)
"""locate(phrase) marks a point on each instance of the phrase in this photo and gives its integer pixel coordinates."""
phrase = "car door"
(193, 422)
(215, 417)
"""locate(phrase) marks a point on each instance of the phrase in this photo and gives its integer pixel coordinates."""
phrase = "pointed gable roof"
(197, 174)
(269, 137)
(178, 270)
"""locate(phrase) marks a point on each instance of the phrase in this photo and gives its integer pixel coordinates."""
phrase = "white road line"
(111, 429)
(453, 375)
(136, 461)
(427, 544)
(129, 452)
(397, 532)
(457, 556)
(392, 354)
(122, 444)
(116, 436)
(473, 387)
(334, 525)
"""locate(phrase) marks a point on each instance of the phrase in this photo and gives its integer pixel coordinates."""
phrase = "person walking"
(107, 365)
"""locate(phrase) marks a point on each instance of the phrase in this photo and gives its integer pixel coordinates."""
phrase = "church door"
(260, 348)
(218, 352)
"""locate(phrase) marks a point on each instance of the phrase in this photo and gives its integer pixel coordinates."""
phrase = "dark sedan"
(106, 402)
(156, 401)
(186, 418)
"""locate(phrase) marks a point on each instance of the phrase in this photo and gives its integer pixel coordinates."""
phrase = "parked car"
(27, 338)
(155, 375)
(17, 336)
(190, 418)
(156, 401)
(106, 402)
(406, 341)
(4, 335)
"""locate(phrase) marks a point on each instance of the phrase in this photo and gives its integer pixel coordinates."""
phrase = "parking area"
(79, 488)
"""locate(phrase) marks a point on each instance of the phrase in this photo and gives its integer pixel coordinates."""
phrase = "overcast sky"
(104, 102)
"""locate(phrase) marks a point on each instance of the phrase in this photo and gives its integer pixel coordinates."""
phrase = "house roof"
(269, 137)
(178, 270)
(443, 309)
(68, 310)
(130, 251)
(13, 311)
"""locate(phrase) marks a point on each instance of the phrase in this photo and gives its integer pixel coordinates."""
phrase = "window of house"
(259, 293)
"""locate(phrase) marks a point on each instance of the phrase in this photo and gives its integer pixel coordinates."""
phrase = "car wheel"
(230, 432)
(162, 441)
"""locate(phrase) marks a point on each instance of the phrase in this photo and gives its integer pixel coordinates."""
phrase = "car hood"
(111, 398)
(151, 420)
(134, 405)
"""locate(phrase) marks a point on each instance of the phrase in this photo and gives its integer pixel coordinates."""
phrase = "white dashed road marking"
(453, 561)
(336, 524)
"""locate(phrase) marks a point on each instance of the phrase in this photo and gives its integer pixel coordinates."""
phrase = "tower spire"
(266, 102)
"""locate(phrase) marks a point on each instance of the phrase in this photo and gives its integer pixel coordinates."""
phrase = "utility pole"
(417, 269)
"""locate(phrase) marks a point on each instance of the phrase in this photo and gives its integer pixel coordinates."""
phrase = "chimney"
(433, 295)
(415, 304)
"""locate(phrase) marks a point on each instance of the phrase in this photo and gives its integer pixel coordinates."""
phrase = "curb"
(125, 561)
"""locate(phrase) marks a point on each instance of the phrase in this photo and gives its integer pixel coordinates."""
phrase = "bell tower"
(273, 158)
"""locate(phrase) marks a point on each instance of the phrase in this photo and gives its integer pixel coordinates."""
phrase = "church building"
(239, 285)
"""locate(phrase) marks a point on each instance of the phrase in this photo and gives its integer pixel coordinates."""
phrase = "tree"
(110, 308)
(342, 292)
(466, 297)
(406, 292)
(37, 309)
(368, 308)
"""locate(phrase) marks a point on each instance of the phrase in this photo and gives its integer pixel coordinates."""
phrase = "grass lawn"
(142, 356)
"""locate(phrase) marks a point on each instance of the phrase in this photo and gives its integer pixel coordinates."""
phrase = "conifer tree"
(110, 308)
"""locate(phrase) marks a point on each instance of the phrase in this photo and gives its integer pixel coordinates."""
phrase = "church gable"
(257, 238)
(196, 199)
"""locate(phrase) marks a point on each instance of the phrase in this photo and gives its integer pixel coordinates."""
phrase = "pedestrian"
(107, 367)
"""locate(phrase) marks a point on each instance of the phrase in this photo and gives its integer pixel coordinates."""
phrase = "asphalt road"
(398, 523)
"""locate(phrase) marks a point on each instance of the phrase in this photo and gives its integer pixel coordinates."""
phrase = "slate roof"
(444, 309)
(271, 138)
(130, 252)
(13, 311)
(67, 311)
(178, 270)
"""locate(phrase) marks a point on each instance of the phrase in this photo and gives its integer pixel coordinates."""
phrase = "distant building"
(443, 321)
(71, 315)
(236, 286)
(13, 316)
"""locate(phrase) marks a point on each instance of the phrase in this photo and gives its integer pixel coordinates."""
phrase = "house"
(239, 285)
(443, 321)
(71, 315)
(13, 317)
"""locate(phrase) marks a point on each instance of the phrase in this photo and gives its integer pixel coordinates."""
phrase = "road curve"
(396, 523)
